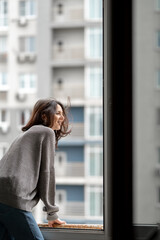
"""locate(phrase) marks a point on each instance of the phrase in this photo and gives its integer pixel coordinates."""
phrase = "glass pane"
(57, 58)
(146, 43)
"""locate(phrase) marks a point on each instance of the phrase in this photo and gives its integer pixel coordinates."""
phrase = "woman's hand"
(57, 221)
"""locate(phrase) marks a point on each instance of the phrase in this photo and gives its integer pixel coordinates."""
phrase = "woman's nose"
(61, 117)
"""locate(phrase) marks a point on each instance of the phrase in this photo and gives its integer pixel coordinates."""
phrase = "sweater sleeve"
(46, 184)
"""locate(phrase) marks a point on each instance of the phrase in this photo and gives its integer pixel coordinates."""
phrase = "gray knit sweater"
(27, 171)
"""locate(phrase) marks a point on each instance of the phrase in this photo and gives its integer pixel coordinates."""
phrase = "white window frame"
(4, 86)
(97, 111)
(26, 77)
(97, 32)
(60, 168)
(87, 12)
(27, 114)
(97, 92)
(28, 15)
(3, 148)
(96, 189)
(27, 44)
(3, 44)
(3, 16)
(5, 124)
(96, 149)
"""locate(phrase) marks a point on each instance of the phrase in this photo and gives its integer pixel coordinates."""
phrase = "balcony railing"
(72, 209)
(69, 14)
(74, 90)
(77, 130)
(68, 52)
(71, 169)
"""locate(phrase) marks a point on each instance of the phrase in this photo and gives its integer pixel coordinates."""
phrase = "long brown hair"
(47, 108)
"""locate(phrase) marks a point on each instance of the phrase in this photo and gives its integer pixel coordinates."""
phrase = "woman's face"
(58, 118)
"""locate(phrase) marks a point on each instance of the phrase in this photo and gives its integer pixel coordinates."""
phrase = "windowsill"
(73, 226)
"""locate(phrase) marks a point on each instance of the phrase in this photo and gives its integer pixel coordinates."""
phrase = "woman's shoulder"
(39, 132)
(41, 129)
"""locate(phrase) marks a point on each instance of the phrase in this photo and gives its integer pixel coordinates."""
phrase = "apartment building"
(53, 48)
(72, 67)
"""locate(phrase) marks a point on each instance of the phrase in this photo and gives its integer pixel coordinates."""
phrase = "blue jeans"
(16, 224)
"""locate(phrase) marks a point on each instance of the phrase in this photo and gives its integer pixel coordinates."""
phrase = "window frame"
(117, 129)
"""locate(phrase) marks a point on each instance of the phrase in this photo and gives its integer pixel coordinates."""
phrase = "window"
(3, 81)
(3, 149)
(93, 82)
(94, 121)
(95, 201)
(27, 8)
(60, 163)
(93, 43)
(94, 158)
(3, 44)
(27, 83)
(93, 9)
(4, 120)
(23, 117)
(3, 13)
(27, 44)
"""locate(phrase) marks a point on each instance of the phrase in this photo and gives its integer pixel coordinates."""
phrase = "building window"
(94, 158)
(27, 83)
(93, 9)
(3, 81)
(94, 201)
(27, 44)
(93, 82)
(60, 163)
(3, 44)
(94, 122)
(4, 120)
(3, 149)
(93, 48)
(3, 13)
(23, 117)
(27, 8)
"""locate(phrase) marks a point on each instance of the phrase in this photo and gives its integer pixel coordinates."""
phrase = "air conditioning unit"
(22, 22)
(21, 58)
(21, 97)
(31, 58)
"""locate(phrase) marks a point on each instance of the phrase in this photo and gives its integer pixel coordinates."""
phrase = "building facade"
(54, 49)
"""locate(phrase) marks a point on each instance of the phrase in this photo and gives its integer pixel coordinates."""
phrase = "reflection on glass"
(72, 54)
(146, 44)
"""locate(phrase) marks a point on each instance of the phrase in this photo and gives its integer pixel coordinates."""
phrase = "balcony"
(70, 169)
(77, 130)
(73, 89)
(68, 15)
(69, 52)
(72, 209)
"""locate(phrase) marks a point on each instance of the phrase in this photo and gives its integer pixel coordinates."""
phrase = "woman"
(27, 172)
